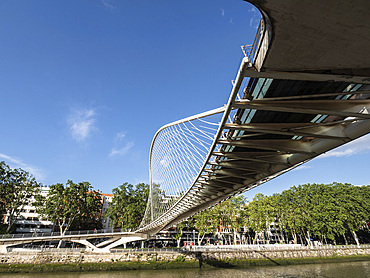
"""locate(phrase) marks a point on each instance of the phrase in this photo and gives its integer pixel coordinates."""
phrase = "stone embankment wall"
(286, 254)
(78, 258)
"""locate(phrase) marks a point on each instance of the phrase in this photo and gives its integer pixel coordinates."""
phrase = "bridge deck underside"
(254, 148)
(323, 36)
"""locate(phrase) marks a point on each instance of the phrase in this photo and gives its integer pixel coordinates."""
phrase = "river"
(337, 270)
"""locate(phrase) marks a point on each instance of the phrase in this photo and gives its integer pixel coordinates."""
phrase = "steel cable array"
(177, 155)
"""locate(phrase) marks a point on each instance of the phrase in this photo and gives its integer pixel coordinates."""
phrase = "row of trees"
(75, 206)
(229, 214)
(310, 211)
(313, 211)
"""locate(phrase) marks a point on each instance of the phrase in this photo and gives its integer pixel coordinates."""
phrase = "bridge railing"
(250, 50)
(43, 249)
(48, 249)
(270, 247)
(67, 233)
(148, 250)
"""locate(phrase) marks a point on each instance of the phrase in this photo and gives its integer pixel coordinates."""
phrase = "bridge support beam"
(88, 244)
(120, 241)
(104, 243)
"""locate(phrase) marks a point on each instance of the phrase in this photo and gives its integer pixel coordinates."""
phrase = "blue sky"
(85, 85)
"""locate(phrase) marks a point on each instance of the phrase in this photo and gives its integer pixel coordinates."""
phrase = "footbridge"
(302, 89)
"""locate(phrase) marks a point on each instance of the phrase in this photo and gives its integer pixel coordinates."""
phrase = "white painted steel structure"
(189, 174)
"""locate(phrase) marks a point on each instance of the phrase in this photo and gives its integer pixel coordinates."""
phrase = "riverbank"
(81, 261)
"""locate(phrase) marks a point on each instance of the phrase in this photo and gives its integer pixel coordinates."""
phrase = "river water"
(335, 270)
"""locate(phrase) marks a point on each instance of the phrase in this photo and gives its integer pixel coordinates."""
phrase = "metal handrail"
(67, 233)
(250, 50)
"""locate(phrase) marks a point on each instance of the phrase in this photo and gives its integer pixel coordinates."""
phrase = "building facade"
(29, 221)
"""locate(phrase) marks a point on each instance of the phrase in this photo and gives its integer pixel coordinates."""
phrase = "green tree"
(128, 205)
(257, 216)
(17, 189)
(205, 223)
(318, 210)
(66, 204)
(355, 205)
(227, 214)
(187, 224)
(232, 214)
(179, 231)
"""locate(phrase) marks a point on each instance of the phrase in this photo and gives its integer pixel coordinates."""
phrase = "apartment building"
(29, 221)
(106, 199)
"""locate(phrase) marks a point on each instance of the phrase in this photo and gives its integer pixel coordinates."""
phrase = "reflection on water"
(333, 270)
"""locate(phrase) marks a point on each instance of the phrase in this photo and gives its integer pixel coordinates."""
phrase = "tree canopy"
(128, 205)
(69, 205)
(313, 210)
(310, 211)
(17, 187)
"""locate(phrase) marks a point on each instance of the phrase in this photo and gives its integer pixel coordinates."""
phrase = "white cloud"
(359, 145)
(255, 17)
(108, 4)
(81, 123)
(120, 136)
(17, 163)
(337, 153)
(302, 167)
(122, 151)
(118, 143)
(231, 20)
